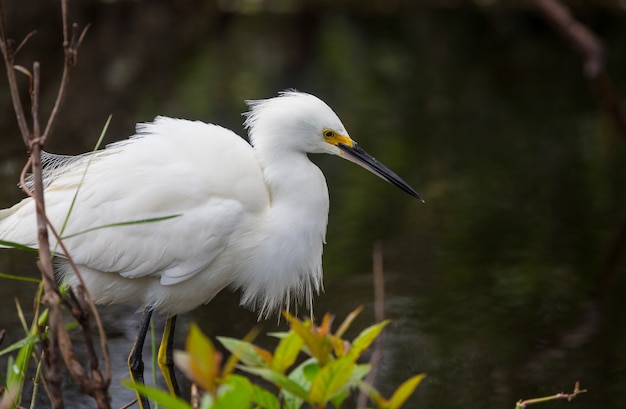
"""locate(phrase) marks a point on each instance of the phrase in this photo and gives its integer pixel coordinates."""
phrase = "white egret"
(247, 216)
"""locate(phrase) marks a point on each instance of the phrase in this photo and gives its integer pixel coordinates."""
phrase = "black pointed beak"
(357, 155)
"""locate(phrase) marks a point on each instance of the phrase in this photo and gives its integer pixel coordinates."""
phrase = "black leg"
(166, 360)
(135, 362)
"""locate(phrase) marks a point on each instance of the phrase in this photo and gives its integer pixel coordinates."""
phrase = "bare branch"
(8, 52)
(569, 396)
(592, 50)
(580, 37)
(3, 24)
(24, 41)
(91, 304)
(64, 19)
(59, 342)
(35, 101)
(379, 282)
(71, 55)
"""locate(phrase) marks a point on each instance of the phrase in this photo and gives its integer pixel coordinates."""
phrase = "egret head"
(295, 121)
(299, 122)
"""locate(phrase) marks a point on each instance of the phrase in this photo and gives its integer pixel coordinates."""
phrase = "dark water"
(501, 286)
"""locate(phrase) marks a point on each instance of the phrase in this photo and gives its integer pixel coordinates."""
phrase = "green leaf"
(305, 332)
(236, 392)
(359, 372)
(310, 371)
(339, 398)
(245, 351)
(374, 395)
(365, 339)
(264, 399)
(286, 352)
(203, 360)
(404, 391)
(16, 369)
(356, 379)
(28, 341)
(348, 321)
(161, 397)
(233, 359)
(279, 335)
(14, 382)
(297, 375)
(279, 380)
(330, 379)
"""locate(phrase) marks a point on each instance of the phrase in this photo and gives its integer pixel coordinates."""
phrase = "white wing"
(204, 175)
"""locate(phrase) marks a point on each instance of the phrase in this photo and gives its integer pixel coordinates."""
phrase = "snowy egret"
(247, 216)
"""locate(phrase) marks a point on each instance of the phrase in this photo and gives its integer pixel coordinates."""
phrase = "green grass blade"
(32, 339)
(128, 223)
(18, 246)
(19, 278)
(98, 143)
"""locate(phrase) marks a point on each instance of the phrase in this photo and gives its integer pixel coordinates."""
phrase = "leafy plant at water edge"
(327, 377)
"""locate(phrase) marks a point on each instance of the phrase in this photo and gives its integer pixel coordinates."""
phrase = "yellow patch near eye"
(335, 139)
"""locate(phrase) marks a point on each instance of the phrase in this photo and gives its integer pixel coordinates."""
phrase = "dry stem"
(59, 342)
(379, 315)
(569, 396)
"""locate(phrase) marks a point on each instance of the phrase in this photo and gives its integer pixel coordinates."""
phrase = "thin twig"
(70, 260)
(71, 53)
(379, 282)
(51, 297)
(92, 384)
(35, 100)
(64, 20)
(379, 316)
(129, 404)
(8, 52)
(24, 41)
(522, 404)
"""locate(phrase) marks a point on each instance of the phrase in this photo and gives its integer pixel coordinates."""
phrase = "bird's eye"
(328, 133)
